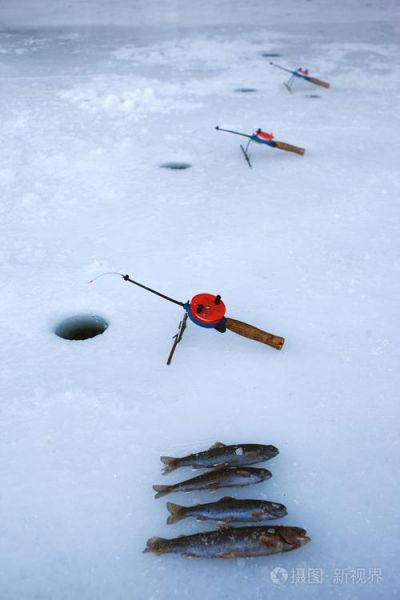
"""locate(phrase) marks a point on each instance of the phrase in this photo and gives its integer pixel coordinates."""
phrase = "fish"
(227, 510)
(219, 478)
(220, 455)
(232, 542)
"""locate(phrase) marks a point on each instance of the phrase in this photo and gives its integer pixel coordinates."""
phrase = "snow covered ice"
(94, 97)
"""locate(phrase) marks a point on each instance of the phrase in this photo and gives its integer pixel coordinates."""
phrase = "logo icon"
(279, 575)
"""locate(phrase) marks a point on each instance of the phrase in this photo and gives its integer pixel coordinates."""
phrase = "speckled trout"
(220, 455)
(228, 509)
(232, 542)
(220, 478)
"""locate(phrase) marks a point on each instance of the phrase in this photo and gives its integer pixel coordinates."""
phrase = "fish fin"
(200, 518)
(170, 463)
(257, 513)
(161, 490)
(230, 554)
(177, 513)
(263, 539)
(244, 473)
(196, 468)
(155, 544)
(217, 445)
(189, 555)
(226, 499)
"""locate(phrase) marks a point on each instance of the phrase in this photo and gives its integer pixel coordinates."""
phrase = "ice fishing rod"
(301, 74)
(208, 311)
(262, 137)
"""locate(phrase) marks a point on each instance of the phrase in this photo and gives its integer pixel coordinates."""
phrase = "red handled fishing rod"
(262, 137)
(208, 311)
(301, 74)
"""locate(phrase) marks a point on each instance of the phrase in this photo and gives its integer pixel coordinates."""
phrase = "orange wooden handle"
(289, 148)
(324, 84)
(255, 334)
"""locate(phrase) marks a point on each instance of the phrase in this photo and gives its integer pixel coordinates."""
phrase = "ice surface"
(305, 247)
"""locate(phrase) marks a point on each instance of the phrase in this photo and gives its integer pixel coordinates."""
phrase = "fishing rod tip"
(108, 273)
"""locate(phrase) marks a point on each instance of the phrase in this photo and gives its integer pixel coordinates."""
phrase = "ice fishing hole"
(176, 166)
(246, 90)
(81, 327)
(313, 96)
(270, 54)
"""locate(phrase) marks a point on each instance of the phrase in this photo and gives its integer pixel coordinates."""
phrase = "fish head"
(271, 451)
(293, 537)
(278, 510)
(260, 452)
(264, 473)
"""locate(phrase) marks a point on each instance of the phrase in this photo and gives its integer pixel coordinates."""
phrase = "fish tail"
(156, 545)
(170, 462)
(162, 490)
(177, 512)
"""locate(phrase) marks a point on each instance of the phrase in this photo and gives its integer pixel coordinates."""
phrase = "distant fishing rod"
(301, 74)
(262, 137)
(208, 311)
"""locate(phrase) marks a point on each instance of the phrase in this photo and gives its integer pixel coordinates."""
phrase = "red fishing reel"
(264, 135)
(206, 310)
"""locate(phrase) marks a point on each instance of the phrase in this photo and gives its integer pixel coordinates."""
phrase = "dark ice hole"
(81, 327)
(312, 96)
(176, 166)
(245, 90)
(270, 54)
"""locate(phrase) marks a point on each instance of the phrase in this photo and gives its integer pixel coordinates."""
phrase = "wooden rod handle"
(289, 148)
(324, 84)
(255, 334)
